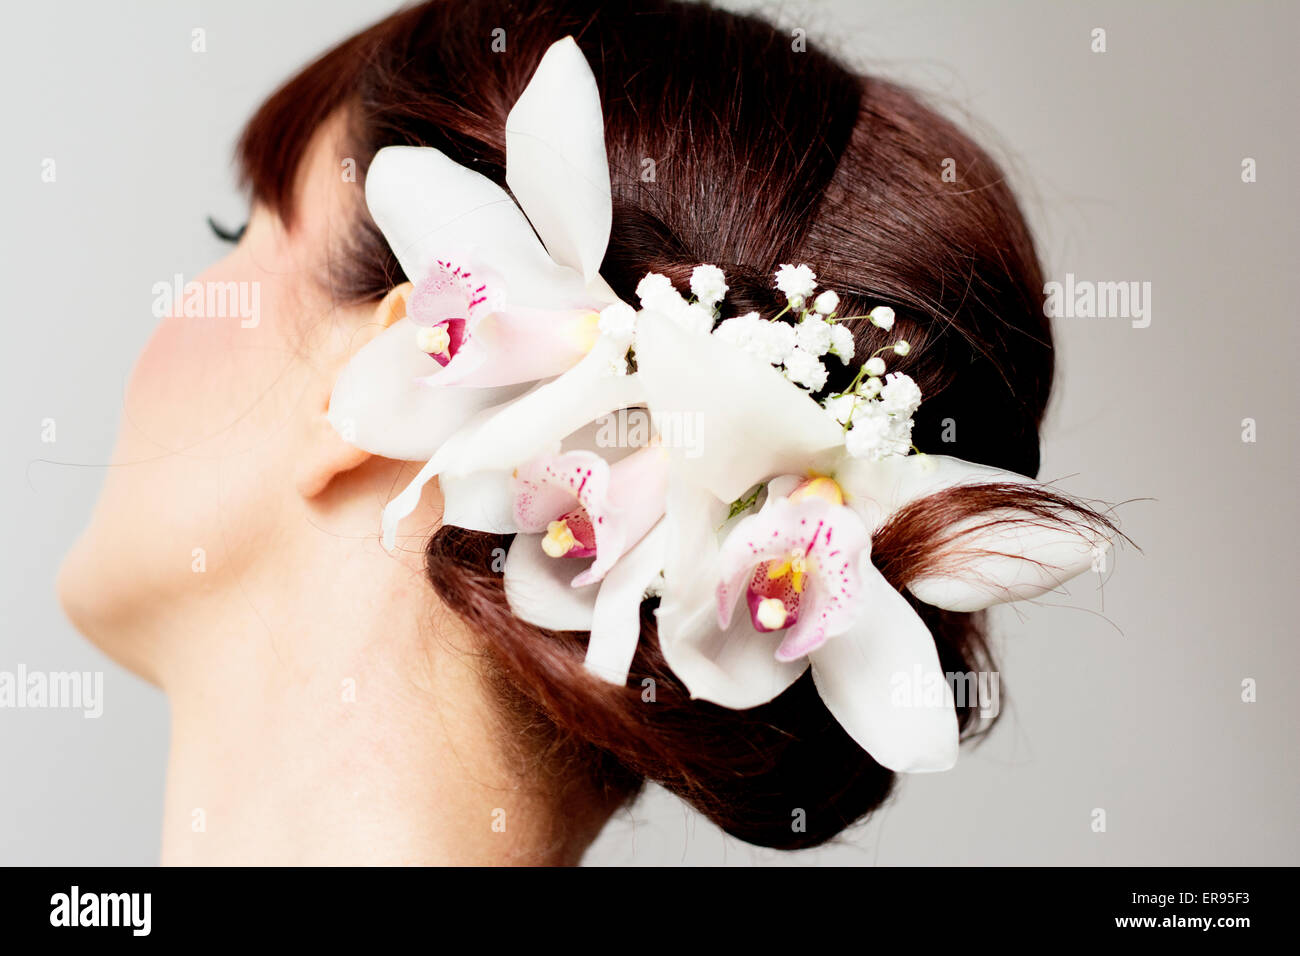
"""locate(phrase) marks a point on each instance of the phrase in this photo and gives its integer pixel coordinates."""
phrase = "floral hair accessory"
(504, 291)
(504, 358)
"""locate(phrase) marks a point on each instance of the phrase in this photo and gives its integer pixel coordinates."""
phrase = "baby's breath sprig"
(876, 409)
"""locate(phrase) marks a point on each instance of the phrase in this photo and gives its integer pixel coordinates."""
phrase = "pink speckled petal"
(520, 345)
(455, 290)
(547, 487)
(637, 491)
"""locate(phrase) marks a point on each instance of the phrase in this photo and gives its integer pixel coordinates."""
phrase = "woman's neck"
(362, 734)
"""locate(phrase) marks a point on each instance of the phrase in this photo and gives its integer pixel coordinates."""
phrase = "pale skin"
(325, 707)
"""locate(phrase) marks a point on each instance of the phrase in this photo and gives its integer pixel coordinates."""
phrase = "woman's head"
(728, 143)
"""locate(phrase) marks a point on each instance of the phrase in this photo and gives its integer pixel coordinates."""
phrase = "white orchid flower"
(576, 506)
(493, 309)
(503, 295)
(589, 508)
(858, 633)
(797, 564)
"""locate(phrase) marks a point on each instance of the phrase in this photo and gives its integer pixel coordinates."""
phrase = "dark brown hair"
(728, 144)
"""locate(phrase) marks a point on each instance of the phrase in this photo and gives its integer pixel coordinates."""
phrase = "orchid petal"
(520, 345)
(1005, 556)
(750, 422)
(480, 502)
(548, 486)
(616, 620)
(430, 207)
(538, 590)
(379, 405)
(532, 424)
(454, 290)
(996, 559)
(863, 674)
(502, 437)
(409, 498)
(637, 497)
(555, 159)
(879, 489)
(735, 668)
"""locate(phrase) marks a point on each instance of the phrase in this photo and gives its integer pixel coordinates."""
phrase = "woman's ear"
(325, 454)
(328, 457)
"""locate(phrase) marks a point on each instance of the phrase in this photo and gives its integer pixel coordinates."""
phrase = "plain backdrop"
(1125, 695)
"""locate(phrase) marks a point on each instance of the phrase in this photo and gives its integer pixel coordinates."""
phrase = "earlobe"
(329, 454)
(331, 457)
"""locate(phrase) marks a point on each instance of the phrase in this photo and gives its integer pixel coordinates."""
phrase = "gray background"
(1124, 697)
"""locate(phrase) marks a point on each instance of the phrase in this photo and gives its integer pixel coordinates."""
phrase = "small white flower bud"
(826, 303)
(882, 316)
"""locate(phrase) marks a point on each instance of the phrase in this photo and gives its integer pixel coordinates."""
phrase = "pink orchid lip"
(457, 333)
(776, 588)
(578, 524)
(796, 563)
(763, 586)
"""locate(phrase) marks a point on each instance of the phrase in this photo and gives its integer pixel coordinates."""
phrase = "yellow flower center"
(433, 339)
(796, 565)
(559, 540)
